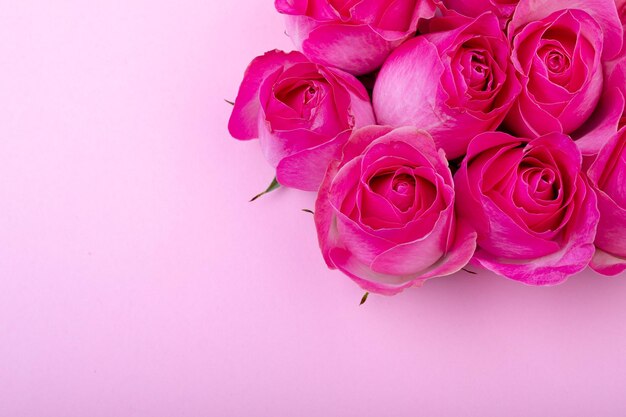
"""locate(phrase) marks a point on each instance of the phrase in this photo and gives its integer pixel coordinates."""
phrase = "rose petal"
(607, 264)
(305, 170)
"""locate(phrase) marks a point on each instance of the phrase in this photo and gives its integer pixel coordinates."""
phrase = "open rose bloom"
(531, 205)
(489, 133)
(559, 50)
(385, 214)
(455, 83)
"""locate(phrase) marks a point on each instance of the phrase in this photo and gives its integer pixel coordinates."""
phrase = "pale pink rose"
(608, 176)
(530, 204)
(354, 35)
(298, 109)
(385, 212)
(559, 47)
(454, 84)
(502, 8)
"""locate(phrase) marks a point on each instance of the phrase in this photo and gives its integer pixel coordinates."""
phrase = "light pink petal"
(356, 49)
(416, 256)
(459, 254)
(607, 264)
(277, 145)
(366, 278)
(305, 170)
(457, 257)
(407, 88)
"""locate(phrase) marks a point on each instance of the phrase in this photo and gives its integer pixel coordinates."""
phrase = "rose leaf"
(273, 186)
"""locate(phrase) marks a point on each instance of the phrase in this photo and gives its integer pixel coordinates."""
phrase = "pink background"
(136, 279)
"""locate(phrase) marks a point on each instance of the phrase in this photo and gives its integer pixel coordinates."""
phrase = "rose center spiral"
(476, 70)
(556, 62)
(300, 97)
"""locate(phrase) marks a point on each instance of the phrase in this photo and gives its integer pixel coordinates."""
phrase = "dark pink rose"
(608, 176)
(354, 35)
(454, 84)
(298, 109)
(530, 204)
(385, 212)
(559, 48)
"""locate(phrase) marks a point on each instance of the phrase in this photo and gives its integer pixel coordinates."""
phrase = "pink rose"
(559, 48)
(298, 109)
(502, 8)
(385, 212)
(533, 210)
(454, 84)
(608, 176)
(354, 35)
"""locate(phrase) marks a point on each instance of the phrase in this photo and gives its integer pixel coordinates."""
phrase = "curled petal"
(554, 268)
(607, 264)
(301, 170)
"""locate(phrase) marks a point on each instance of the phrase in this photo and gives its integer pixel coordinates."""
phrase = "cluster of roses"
(443, 132)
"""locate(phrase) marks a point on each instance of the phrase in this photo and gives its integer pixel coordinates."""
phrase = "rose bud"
(354, 35)
(530, 204)
(298, 109)
(558, 51)
(454, 84)
(385, 212)
(608, 176)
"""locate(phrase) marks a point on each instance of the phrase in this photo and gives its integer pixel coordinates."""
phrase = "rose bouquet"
(445, 133)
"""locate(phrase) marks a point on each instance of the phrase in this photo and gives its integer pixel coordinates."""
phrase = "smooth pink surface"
(136, 279)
